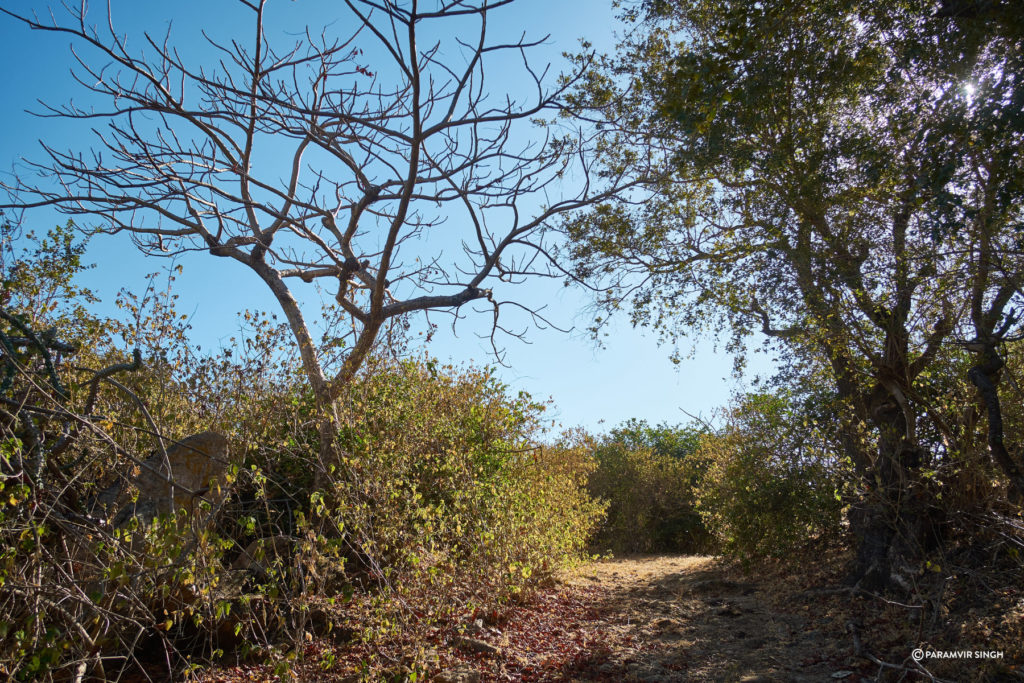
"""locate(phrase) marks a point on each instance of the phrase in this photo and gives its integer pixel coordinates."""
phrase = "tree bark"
(985, 376)
(893, 526)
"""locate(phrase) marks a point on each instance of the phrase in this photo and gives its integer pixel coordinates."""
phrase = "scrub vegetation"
(320, 499)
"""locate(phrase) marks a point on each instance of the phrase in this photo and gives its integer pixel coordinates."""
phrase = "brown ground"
(679, 618)
(701, 619)
(689, 618)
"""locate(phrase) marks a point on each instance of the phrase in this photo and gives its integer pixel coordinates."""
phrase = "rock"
(668, 629)
(475, 645)
(195, 464)
(460, 675)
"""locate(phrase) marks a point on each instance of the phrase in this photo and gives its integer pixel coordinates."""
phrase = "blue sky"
(629, 376)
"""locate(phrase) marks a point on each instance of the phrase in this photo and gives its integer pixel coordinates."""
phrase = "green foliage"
(771, 481)
(446, 486)
(37, 279)
(445, 501)
(842, 178)
(805, 164)
(74, 590)
(647, 474)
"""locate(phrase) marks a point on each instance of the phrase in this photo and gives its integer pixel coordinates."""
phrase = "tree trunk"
(985, 376)
(892, 522)
(324, 392)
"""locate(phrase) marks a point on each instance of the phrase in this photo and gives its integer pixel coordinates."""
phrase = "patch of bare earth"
(678, 618)
(701, 619)
(688, 618)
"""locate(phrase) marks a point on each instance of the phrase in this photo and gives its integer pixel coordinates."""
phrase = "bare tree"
(380, 164)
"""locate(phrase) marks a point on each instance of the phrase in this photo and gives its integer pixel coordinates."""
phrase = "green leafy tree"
(837, 176)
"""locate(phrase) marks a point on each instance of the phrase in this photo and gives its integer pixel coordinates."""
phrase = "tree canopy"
(841, 177)
(367, 158)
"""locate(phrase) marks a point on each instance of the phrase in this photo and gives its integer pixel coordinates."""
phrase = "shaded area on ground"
(703, 619)
(686, 618)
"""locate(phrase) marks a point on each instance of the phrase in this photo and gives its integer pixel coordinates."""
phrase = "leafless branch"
(381, 159)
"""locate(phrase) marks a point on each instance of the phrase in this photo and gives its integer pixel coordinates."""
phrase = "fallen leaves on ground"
(665, 619)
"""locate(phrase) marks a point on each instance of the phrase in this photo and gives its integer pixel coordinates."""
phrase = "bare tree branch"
(380, 159)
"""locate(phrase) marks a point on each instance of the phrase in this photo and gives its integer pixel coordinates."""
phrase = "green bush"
(447, 491)
(445, 502)
(646, 474)
(81, 598)
(770, 481)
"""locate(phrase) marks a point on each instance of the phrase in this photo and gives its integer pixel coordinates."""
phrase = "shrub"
(447, 490)
(446, 501)
(77, 595)
(770, 481)
(646, 474)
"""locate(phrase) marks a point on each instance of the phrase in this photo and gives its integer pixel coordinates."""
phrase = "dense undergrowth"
(762, 485)
(448, 500)
(444, 502)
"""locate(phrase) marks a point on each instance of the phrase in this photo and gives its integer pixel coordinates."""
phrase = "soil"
(683, 618)
(693, 618)
(702, 619)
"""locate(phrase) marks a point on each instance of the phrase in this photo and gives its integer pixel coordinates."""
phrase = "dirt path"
(662, 618)
(689, 621)
(678, 618)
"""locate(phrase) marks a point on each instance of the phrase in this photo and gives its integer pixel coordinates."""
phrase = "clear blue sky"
(630, 377)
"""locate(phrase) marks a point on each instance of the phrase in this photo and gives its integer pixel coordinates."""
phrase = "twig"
(859, 651)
